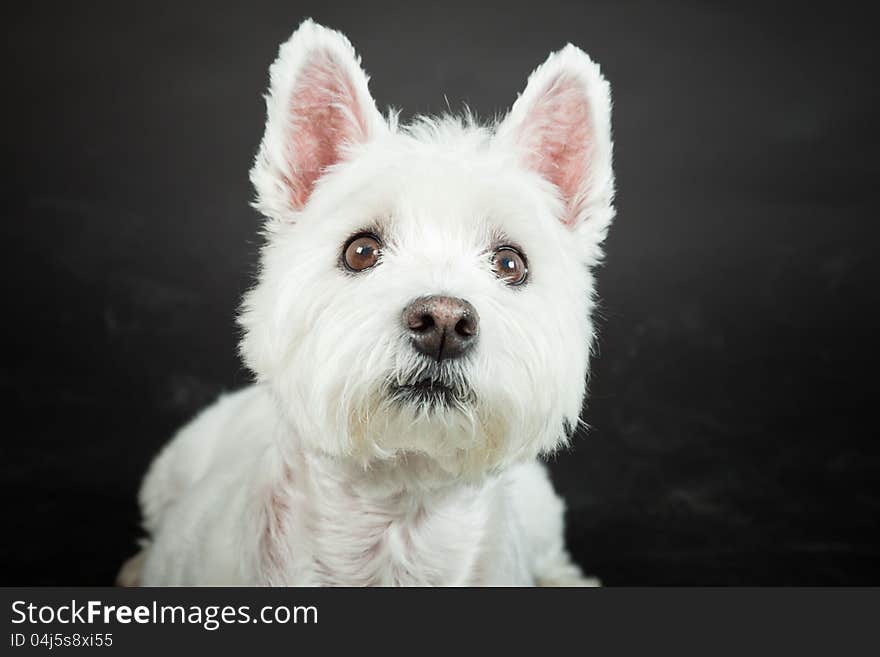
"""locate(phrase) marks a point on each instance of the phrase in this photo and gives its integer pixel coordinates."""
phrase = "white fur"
(312, 476)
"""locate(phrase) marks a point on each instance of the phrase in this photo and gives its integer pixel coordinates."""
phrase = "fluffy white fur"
(314, 475)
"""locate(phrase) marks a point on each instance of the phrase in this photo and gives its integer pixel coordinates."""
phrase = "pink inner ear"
(558, 131)
(324, 114)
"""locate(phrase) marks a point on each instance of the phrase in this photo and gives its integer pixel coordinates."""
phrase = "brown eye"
(361, 252)
(510, 265)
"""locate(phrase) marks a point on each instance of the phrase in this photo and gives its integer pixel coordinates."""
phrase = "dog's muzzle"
(427, 392)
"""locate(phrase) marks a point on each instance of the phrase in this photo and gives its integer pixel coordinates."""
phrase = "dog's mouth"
(431, 393)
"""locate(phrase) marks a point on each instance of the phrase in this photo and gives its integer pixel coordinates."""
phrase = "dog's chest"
(461, 538)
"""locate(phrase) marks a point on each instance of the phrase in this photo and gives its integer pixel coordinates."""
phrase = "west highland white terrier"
(419, 332)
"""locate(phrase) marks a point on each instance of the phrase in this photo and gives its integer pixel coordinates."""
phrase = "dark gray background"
(733, 397)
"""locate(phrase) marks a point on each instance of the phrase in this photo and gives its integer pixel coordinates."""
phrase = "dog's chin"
(430, 395)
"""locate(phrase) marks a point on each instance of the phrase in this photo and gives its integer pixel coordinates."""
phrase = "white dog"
(420, 333)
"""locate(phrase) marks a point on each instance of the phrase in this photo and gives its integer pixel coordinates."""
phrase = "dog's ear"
(561, 127)
(318, 105)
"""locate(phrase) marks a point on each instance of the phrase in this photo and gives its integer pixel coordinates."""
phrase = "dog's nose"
(441, 327)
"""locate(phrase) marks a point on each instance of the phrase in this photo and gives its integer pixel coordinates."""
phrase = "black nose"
(441, 327)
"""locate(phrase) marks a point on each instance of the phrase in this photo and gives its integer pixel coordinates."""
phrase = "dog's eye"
(510, 265)
(361, 252)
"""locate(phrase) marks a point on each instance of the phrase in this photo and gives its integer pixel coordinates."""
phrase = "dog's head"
(426, 289)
